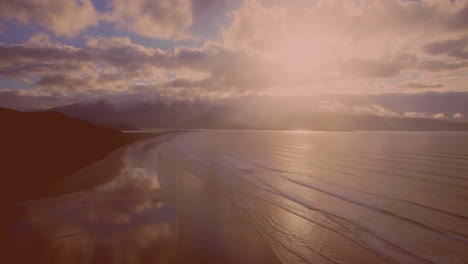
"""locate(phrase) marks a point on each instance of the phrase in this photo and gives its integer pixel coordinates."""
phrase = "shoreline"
(52, 184)
(97, 172)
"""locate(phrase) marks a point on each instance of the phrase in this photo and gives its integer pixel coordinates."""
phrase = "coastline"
(142, 208)
(48, 183)
(217, 197)
(100, 171)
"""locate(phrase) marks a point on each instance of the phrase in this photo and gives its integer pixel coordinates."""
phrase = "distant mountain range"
(226, 115)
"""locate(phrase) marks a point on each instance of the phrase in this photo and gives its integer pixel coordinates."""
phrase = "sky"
(57, 51)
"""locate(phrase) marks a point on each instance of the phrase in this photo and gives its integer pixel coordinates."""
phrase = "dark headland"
(37, 149)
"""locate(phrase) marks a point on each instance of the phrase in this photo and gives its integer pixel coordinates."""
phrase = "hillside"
(39, 148)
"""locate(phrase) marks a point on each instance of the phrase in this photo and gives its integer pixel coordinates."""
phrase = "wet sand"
(129, 219)
(22, 183)
(257, 197)
(331, 197)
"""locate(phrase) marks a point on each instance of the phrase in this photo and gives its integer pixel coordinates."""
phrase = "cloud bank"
(349, 47)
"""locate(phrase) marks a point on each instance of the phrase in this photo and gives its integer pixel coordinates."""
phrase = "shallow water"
(261, 197)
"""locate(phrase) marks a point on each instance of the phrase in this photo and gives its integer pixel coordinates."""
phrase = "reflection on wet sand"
(131, 219)
(124, 221)
(100, 230)
(212, 226)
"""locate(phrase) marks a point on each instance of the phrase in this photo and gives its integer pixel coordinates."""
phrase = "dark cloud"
(457, 48)
(379, 68)
(38, 69)
(418, 85)
(372, 69)
(208, 14)
(439, 65)
(430, 102)
(59, 81)
(459, 20)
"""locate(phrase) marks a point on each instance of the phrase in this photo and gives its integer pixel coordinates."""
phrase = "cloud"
(418, 85)
(162, 19)
(339, 107)
(39, 40)
(379, 105)
(377, 110)
(440, 65)
(421, 102)
(156, 19)
(64, 18)
(258, 26)
(325, 42)
(332, 106)
(439, 116)
(457, 48)
(27, 100)
(207, 14)
(417, 114)
(321, 46)
(119, 65)
(424, 115)
(365, 68)
(66, 69)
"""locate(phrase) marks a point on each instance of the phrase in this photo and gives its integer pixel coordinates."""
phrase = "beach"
(258, 197)
(129, 218)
